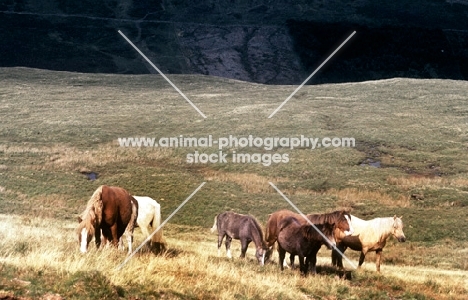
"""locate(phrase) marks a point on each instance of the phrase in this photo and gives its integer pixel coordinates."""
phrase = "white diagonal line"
(160, 226)
(311, 75)
(313, 225)
(164, 76)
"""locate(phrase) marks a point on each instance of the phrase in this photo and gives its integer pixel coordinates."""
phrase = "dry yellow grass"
(249, 182)
(193, 268)
(58, 123)
(410, 182)
(350, 197)
(63, 157)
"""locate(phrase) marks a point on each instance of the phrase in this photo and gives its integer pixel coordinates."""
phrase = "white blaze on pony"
(369, 236)
(351, 229)
(84, 240)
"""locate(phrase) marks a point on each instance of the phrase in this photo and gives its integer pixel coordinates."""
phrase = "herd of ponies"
(112, 213)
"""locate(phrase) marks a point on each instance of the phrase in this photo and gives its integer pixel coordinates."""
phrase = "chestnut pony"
(110, 210)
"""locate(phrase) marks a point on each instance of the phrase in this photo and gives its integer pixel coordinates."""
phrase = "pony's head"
(263, 254)
(85, 230)
(397, 229)
(344, 223)
(89, 220)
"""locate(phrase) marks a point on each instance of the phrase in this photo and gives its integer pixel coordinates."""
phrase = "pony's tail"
(215, 225)
(158, 236)
(131, 225)
(267, 228)
(96, 202)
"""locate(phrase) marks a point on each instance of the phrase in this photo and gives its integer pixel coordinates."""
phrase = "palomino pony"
(303, 240)
(111, 210)
(368, 236)
(149, 214)
(240, 227)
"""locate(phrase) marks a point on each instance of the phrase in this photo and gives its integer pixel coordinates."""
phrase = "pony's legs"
(281, 254)
(144, 230)
(220, 242)
(244, 246)
(303, 266)
(115, 240)
(313, 260)
(129, 241)
(291, 260)
(227, 243)
(97, 237)
(361, 258)
(105, 240)
(228, 246)
(337, 260)
(378, 254)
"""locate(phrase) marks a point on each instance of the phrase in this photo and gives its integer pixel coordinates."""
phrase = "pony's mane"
(92, 214)
(310, 233)
(328, 218)
(287, 221)
(259, 229)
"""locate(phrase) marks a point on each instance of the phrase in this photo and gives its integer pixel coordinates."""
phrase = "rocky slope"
(276, 42)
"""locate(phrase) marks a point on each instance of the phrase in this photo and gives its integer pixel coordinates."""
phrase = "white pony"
(149, 214)
(369, 236)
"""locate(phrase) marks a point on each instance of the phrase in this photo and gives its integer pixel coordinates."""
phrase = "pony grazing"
(149, 214)
(368, 236)
(303, 240)
(110, 210)
(240, 227)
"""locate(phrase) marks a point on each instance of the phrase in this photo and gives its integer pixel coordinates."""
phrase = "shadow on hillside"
(163, 252)
(322, 270)
(329, 270)
(171, 253)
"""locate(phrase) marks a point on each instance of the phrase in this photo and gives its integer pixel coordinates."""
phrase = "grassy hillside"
(56, 126)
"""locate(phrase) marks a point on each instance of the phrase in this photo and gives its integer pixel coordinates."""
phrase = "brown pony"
(112, 211)
(240, 227)
(304, 241)
(340, 219)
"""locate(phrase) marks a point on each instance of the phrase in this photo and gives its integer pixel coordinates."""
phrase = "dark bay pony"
(304, 241)
(110, 210)
(368, 236)
(340, 219)
(240, 227)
